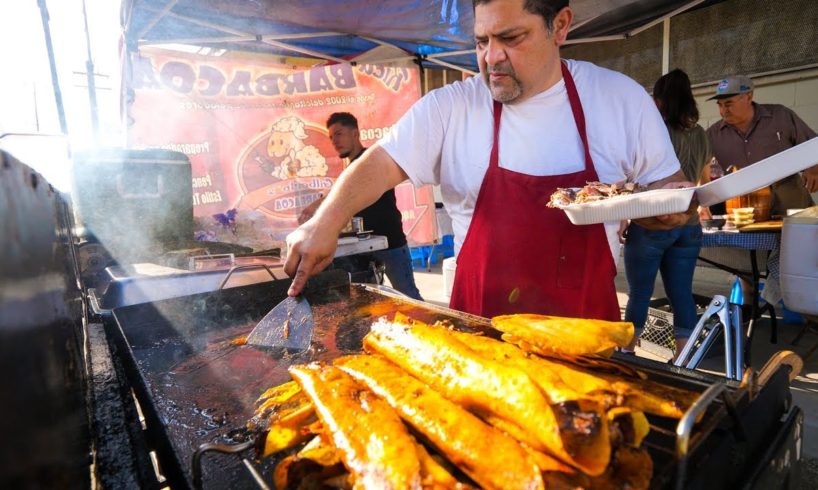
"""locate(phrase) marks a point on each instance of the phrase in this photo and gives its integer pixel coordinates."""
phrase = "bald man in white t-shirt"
(499, 145)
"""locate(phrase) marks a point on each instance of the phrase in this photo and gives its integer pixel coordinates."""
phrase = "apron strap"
(494, 159)
(576, 109)
(579, 115)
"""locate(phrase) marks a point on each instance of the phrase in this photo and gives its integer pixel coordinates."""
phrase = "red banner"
(255, 134)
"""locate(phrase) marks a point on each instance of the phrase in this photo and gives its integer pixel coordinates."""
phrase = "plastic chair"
(419, 254)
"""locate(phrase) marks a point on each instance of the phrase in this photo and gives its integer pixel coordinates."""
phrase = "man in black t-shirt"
(382, 217)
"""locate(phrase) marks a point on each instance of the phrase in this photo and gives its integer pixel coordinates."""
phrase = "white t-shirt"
(446, 138)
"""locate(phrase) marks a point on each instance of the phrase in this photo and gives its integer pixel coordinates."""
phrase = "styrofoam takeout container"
(667, 201)
(632, 206)
(760, 174)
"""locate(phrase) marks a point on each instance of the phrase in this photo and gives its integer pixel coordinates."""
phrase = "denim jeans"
(673, 253)
(398, 265)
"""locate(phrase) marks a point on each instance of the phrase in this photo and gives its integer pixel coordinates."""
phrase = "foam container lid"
(760, 174)
(667, 201)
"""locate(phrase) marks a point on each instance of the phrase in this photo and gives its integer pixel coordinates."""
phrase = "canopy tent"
(432, 32)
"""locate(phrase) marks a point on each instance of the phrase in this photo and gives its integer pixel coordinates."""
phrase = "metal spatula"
(287, 325)
(290, 323)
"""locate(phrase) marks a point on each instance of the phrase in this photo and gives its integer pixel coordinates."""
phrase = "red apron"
(520, 256)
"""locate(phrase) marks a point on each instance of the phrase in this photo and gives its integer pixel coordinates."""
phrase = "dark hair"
(675, 100)
(342, 118)
(547, 9)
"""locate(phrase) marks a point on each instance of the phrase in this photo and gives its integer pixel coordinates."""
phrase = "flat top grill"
(195, 385)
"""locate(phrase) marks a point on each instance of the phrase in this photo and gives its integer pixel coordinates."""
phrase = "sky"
(27, 102)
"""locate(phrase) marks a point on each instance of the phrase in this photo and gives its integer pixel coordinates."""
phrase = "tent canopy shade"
(436, 33)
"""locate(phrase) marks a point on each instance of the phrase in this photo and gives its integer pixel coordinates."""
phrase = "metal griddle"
(196, 386)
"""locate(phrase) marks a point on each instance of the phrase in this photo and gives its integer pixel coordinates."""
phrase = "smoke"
(138, 204)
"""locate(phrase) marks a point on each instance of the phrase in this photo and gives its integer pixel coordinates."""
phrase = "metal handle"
(255, 474)
(694, 351)
(240, 267)
(231, 258)
(386, 289)
(477, 320)
(737, 325)
(121, 188)
(685, 428)
(729, 335)
(196, 462)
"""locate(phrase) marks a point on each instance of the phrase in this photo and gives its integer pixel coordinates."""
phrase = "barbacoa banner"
(255, 133)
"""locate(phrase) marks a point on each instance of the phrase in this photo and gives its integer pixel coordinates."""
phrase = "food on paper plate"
(592, 191)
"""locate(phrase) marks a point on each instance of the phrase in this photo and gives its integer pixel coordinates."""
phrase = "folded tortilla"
(483, 386)
(565, 336)
(374, 444)
(561, 381)
(491, 458)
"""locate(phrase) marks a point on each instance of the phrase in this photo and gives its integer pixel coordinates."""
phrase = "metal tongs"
(724, 316)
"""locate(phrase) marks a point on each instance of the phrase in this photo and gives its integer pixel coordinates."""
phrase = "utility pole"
(55, 82)
(89, 69)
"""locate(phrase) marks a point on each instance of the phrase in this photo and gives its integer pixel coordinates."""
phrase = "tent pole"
(616, 37)
(580, 24)
(451, 65)
(676, 12)
(451, 53)
(308, 52)
(198, 40)
(55, 82)
(159, 14)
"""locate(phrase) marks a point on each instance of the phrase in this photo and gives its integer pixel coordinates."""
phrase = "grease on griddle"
(213, 419)
(350, 336)
(239, 434)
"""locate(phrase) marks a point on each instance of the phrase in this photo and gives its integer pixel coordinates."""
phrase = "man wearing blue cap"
(749, 132)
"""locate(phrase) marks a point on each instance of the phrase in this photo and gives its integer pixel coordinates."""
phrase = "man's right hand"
(310, 249)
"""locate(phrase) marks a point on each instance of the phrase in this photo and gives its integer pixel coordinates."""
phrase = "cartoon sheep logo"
(297, 159)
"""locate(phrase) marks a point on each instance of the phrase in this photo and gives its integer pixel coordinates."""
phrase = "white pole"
(666, 46)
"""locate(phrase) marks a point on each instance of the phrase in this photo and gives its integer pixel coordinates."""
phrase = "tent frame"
(233, 35)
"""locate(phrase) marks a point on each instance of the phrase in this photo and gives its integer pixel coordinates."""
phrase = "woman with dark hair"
(671, 252)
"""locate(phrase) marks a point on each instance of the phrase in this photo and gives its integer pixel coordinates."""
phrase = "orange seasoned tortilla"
(491, 458)
(561, 381)
(554, 335)
(374, 444)
(483, 386)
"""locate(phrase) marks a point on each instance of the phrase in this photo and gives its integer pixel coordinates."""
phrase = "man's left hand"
(670, 221)
(811, 179)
